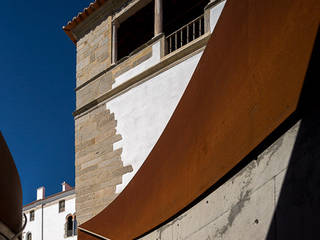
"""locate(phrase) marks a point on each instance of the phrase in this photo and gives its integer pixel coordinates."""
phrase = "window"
(29, 236)
(61, 206)
(183, 26)
(71, 226)
(69, 229)
(75, 225)
(31, 215)
(135, 31)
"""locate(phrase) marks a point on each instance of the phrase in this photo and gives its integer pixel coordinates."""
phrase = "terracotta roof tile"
(81, 17)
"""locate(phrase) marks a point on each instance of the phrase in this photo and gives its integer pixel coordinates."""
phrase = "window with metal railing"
(185, 34)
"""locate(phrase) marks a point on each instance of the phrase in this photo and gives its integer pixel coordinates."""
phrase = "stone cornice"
(166, 62)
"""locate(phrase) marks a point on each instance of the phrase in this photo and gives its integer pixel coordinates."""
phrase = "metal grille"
(185, 34)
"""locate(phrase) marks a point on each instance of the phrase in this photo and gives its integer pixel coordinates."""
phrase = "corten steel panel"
(246, 84)
(11, 192)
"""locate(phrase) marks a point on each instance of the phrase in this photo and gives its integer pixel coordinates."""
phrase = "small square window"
(61, 206)
(32, 215)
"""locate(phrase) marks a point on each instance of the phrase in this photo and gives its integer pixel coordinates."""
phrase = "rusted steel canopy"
(246, 84)
(11, 192)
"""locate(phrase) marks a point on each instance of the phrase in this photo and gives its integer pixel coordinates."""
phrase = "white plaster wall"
(215, 13)
(53, 221)
(143, 112)
(154, 59)
(35, 226)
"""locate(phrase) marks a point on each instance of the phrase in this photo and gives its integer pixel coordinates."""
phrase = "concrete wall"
(53, 221)
(274, 193)
(244, 206)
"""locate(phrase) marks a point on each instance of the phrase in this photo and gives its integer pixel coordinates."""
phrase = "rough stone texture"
(94, 44)
(243, 207)
(98, 167)
(94, 52)
(132, 61)
(110, 8)
(94, 89)
(103, 83)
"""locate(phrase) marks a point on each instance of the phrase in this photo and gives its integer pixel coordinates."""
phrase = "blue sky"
(37, 74)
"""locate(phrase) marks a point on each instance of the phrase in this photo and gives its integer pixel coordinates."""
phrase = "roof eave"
(81, 17)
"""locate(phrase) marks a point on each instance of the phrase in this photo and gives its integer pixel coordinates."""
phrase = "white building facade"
(52, 217)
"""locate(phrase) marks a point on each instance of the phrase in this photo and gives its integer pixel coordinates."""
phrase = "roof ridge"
(50, 196)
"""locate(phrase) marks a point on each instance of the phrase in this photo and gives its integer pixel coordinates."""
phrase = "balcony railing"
(185, 34)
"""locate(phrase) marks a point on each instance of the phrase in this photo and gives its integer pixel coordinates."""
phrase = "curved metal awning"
(246, 84)
(11, 193)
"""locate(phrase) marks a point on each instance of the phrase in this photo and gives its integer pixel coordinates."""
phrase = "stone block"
(83, 63)
(98, 167)
(141, 59)
(122, 171)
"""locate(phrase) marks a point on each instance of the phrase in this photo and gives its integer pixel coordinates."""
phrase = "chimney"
(65, 186)
(40, 193)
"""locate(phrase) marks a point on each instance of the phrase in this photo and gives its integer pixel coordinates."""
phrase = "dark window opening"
(61, 206)
(69, 226)
(183, 26)
(75, 225)
(135, 31)
(31, 215)
(29, 236)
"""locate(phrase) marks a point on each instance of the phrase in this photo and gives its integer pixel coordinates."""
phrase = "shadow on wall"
(298, 209)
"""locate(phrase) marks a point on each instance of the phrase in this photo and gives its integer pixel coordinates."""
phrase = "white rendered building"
(52, 217)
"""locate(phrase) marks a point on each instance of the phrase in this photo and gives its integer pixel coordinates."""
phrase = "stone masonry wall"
(94, 52)
(103, 83)
(98, 167)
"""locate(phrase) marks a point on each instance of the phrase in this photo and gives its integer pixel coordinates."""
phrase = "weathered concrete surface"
(243, 207)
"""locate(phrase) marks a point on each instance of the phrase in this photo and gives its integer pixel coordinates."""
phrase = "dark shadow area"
(298, 209)
(177, 13)
(136, 30)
